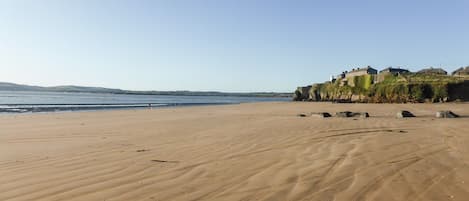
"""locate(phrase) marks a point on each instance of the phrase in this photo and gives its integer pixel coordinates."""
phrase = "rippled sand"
(259, 151)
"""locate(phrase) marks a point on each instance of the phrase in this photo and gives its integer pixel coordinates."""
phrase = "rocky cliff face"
(459, 91)
(395, 89)
(302, 94)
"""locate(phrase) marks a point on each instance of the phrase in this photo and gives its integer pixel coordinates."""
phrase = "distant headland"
(5, 86)
(390, 85)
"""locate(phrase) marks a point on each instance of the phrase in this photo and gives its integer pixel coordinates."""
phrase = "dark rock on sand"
(363, 114)
(321, 114)
(344, 114)
(302, 115)
(315, 114)
(404, 114)
(352, 114)
(446, 114)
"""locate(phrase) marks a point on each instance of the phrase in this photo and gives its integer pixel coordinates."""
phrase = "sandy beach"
(257, 151)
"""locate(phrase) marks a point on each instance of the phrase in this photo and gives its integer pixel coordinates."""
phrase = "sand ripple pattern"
(259, 151)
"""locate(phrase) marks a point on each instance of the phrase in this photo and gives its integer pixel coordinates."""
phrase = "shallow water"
(26, 101)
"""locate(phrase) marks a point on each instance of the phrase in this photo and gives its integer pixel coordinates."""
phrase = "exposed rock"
(458, 91)
(404, 114)
(446, 114)
(341, 101)
(344, 114)
(315, 93)
(352, 114)
(357, 98)
(321, 114)
(400, 88)
(363, 114)
(315, 114)
(302, 115)
(302, 93)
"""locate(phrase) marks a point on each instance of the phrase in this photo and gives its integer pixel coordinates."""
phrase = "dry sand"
(259, 151)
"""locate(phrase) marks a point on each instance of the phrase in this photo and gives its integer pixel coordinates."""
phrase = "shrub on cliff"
(387, 92)
(363, 83)
(440, 92)
(417, 92)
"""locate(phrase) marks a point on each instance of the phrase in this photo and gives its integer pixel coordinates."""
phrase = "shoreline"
(57, 108)
(183, 105)
(21, 102)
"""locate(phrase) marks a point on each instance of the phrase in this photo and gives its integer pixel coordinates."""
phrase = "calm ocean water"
(22, 102)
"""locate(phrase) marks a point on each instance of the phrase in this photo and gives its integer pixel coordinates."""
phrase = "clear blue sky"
(230, 45)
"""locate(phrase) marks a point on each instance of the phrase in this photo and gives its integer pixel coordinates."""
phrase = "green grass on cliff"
(362, 84)
(413, 88)
(402, 88)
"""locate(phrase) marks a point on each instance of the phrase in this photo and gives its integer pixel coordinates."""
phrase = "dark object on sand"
(364, 114)
(321, 114)
(446, 114)
(344, 114)
(404, 114)
(164, 161)
(315, 114)
(302, 115)
(352, 114)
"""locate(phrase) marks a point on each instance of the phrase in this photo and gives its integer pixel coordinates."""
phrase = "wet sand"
(258, 151)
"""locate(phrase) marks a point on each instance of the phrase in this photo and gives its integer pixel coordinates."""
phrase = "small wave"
(70, 107)
(34, 108)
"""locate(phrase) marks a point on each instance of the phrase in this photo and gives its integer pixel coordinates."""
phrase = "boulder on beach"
(315, 114)
(446, 114)
(321, 114)
(352, 114)
(362, 114)
(302, 115)
(404, 114)
(344, 114)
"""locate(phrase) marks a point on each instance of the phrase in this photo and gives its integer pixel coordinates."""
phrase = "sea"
(31, 102)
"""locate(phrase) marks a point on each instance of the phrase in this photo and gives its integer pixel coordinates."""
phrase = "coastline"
(27, 102)
(250, 151)
(58, 108)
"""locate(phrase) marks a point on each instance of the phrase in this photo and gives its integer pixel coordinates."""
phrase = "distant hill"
(5, 86)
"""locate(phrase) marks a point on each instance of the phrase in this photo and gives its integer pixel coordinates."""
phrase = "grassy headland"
(402, 88)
